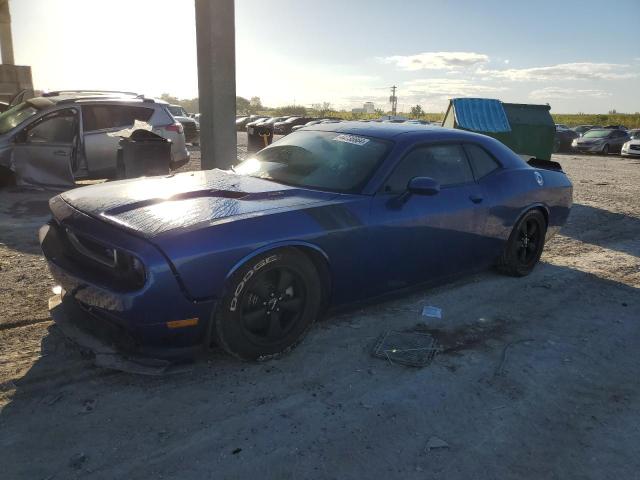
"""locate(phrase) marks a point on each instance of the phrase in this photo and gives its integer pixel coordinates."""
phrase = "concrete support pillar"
(215, 34)
(6, 42)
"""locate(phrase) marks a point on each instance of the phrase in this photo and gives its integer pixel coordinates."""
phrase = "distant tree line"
(253, 106)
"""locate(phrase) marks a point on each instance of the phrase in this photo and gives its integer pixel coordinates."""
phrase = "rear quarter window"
(482, 161)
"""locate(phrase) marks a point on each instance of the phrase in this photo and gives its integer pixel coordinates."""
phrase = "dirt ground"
(538, 377)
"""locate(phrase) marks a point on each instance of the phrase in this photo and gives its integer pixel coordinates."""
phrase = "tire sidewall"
(227, 318)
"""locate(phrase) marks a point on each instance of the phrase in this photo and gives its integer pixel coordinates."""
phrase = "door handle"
(476, 198)
(61, 153)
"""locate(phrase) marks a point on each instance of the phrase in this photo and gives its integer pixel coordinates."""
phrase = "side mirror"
(423, 186)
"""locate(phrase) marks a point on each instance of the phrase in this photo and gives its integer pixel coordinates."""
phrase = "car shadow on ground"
(243, 419)
(22, 212)
(603, 228)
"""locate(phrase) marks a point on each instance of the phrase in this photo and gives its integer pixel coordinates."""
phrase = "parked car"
(285, 127)
(323, 217)
(563, 139)
(634, 134)
(561, 126)
(631, 148)
(190, 125)
(601, 140)
(242, 122)
(311, 122)
(266, 123)
(581, 129)
(256, 121)
(66, 134)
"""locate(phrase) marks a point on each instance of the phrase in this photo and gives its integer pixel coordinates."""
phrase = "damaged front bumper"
(154, 320)
(74, 323)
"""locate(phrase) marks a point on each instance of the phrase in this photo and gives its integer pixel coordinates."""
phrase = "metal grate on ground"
(414, 349)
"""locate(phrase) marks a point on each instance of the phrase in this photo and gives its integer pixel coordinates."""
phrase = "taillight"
(174, 127)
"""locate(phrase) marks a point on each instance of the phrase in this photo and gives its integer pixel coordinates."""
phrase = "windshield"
(15, 116)
(177, 111)
(596, 134)
(323, 160)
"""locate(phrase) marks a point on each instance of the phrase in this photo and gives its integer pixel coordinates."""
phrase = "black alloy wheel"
(525, 244)
(269, 305)
(272, 305)
(528, 241)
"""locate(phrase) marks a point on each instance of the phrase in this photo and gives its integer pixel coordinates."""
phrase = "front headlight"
(130, 269)
(574, 142)
(626, 145)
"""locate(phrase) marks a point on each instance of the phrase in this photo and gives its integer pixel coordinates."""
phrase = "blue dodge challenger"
(331, 214)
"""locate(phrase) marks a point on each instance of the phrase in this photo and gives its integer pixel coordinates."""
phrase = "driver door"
(419, 238)
(45, 151)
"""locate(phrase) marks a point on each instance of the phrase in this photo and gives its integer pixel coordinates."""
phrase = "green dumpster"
(527, 129)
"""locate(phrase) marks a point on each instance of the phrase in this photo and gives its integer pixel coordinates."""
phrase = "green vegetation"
(629, 120)
(322, 110)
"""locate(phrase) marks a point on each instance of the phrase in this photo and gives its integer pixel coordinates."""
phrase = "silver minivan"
(69, 135)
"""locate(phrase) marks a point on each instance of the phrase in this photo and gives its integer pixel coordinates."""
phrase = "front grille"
(634, 147)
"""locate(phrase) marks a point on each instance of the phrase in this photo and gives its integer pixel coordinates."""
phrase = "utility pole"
(393, 100)
(215, 36)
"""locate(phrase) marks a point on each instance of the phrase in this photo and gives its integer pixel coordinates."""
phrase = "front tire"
(525, 245)
(605, 149)
(269, 305)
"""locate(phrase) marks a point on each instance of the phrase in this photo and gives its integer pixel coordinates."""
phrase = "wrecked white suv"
(68, 135)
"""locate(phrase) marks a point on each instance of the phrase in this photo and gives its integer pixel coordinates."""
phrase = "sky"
(578, 56)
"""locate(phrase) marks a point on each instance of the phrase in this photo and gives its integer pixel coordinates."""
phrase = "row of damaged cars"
(282, 125)
(596, 139)
(69, 135)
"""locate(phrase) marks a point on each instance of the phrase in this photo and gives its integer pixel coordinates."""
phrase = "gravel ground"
(538, 377)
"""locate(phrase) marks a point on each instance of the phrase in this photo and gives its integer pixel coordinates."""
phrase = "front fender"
(275, 246)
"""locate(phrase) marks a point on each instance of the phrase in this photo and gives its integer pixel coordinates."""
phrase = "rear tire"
(605, 149)
(270, 304)
(525, 244)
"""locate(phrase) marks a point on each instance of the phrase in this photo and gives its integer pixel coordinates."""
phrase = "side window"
(100, 117)
(483, 163)
(445, 163)
(58, 127)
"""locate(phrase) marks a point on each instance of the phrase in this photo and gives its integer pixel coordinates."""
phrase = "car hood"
(158, 205)
(588, 141)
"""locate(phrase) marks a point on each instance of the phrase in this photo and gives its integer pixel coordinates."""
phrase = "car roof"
(85, 97)
(390, 130)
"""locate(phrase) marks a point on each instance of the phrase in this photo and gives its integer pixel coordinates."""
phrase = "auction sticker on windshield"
(352, 139)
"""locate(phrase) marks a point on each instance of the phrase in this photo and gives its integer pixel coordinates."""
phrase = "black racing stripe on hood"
(235, 195)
